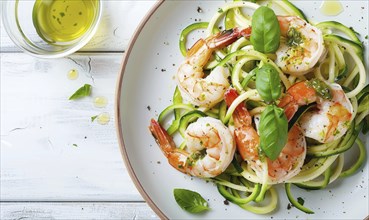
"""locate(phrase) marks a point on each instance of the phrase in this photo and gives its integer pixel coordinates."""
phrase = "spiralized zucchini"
(324, 162)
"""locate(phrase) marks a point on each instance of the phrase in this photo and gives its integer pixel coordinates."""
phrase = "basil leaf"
(84, 91)
(93, 118)
(268, 83)
(190, 201)
(273, 131)
(265, 34)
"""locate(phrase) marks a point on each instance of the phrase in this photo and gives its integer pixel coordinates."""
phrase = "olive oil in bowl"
(63, 21)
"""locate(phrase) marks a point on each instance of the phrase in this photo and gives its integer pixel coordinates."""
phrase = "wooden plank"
(75, 210)
(118, 23)
(39, 127)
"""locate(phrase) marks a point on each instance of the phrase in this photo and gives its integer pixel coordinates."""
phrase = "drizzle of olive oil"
(331, 7)
(103, 118)
(100, 102)
(60, 21)
(72, 74)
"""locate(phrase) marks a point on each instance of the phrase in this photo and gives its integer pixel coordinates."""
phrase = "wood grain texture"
(118, 23)
(54, 161)
(76, 210)
(39, 127)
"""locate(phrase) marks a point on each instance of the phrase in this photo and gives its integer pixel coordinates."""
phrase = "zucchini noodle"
(339, 69)
(332, 62)
(225, 8)
(362, 74)
(249, 95)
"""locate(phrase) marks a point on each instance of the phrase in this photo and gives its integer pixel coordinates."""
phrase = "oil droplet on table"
(331, 7)
(100, 102)
(103, 118)
(72, 74)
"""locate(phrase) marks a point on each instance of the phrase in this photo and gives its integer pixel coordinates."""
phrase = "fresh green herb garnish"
(268, 83)
(273, 126)
(300, 200)
(265, 33)
(294, 37)
(190, 201)
(74, 145)
(93, 118)
(194, 157)
(321, 88)
(220, 10)
(84, 91)
(273, 130)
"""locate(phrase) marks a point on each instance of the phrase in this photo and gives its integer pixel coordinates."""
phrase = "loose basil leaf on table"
(268, 83)
(265, 34)
(84, 91)
(273, 130)
(190, 201)
(93, 118)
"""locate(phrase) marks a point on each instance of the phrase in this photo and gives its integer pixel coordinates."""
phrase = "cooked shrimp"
(332, 116)
(208, 91)
(289, 161)
(302, 48)
(210, 147)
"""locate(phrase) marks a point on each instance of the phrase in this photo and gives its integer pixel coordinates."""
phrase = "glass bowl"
(51, 28)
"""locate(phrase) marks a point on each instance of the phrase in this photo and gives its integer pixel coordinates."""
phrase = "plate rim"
(118, 124)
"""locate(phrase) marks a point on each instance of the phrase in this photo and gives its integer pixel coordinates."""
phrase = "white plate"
(145, 87)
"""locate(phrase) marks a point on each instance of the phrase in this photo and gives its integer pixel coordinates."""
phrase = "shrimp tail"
(162, 138)
(289, 105)
(176, 157)
(241, 114)
(246, 32)
(299, 94)
(220, 40)
(227, 37)
(229, 96)
(247, 139)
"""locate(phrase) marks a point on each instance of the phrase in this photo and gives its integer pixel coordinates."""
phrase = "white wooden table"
(55, 162)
